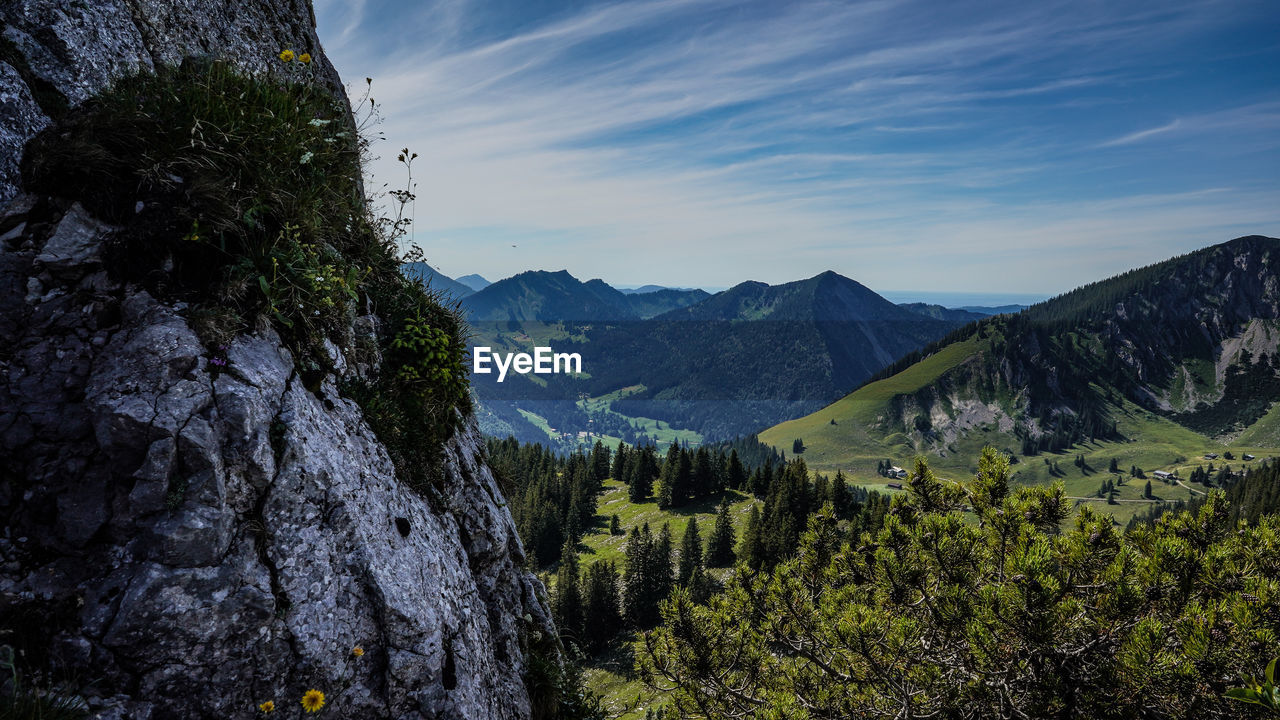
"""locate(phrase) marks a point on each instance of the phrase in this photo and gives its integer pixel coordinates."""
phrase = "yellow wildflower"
(304, 58)
(312, 700)
(286, 55)
(357, 651)
(268, 706)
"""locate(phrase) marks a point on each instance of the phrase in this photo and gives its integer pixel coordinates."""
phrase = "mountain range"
(668, 361)
(542, 296)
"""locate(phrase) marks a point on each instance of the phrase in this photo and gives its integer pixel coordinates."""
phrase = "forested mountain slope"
(1184, 350)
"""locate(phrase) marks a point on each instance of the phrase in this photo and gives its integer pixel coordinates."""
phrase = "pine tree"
(648, 576)
(736, 475)
(690, 553)
(701, 586)
(615, 525)
(637, 586)
(838, 634)
(761, 479)
(669, 490)
(704, 477)
(797, 446)
(642, 471)
(720, 544)
(1147, 492)
(619, 471)
(841, 498)
(602, 611)
(567, 605)
(599, 462)
(662, 567)
(752, 552)
(684, 477)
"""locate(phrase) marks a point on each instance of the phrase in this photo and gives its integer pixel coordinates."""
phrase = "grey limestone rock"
(196, 537)
(228, 536)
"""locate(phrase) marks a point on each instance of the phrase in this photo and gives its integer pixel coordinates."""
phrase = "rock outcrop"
(55, 53)
(194, 533)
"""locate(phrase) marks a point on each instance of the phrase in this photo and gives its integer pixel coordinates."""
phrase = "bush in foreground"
(938, 615)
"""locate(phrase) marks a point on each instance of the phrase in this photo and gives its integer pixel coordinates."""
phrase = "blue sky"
(950, 146)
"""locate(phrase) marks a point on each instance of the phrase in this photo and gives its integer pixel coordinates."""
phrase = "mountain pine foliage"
(970, 602)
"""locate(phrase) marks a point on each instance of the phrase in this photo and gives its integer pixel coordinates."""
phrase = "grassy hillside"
(1265, 432)
(1151, 442)
(1150, 369)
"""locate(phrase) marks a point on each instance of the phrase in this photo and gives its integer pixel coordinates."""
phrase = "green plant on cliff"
(243, 196)
(970, 602)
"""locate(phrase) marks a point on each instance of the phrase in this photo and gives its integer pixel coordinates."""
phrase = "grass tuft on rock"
(243, 197)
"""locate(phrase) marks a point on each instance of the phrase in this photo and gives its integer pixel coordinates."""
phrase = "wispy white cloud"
(1141, 135)
(704, 142)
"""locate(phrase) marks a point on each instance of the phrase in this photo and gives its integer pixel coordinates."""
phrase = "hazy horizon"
(902, 144)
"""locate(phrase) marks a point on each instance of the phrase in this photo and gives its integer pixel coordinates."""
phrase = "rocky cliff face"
(55, 53)
(195, 535)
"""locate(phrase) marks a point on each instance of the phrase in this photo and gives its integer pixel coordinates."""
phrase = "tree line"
(554, 503)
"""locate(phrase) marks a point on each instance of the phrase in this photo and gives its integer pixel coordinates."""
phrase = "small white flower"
(306, 157)
(318, 122)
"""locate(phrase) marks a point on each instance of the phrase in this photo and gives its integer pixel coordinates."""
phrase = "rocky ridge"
(198, 532)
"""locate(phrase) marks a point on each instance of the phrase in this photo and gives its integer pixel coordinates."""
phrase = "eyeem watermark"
(542, 362)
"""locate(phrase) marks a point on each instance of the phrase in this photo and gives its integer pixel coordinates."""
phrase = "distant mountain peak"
(474, 281)
(558, 296)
